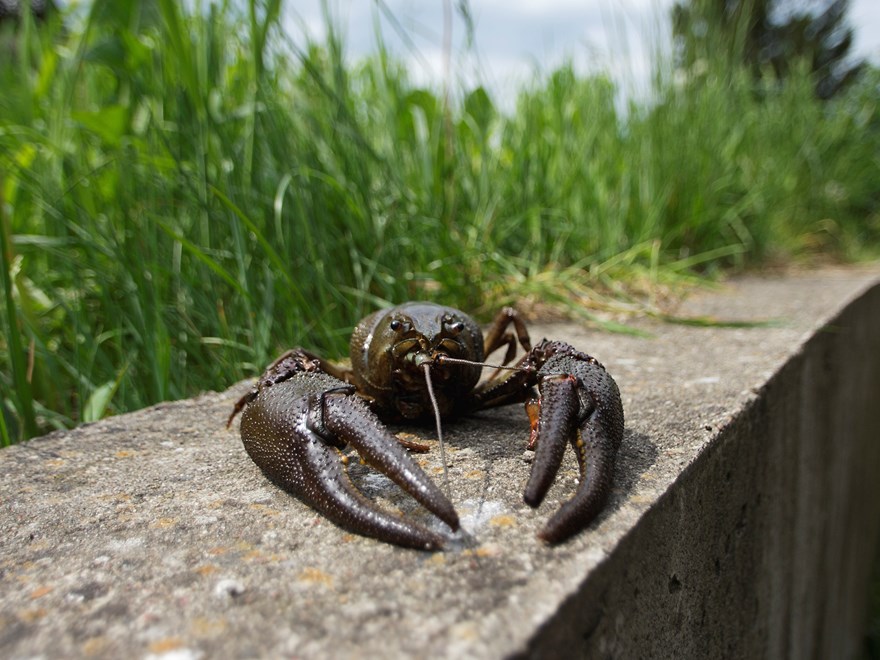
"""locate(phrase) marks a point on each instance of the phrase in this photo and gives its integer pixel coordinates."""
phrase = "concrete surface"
(743, 522)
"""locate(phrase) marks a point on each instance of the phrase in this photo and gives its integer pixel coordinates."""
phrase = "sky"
(516, 38)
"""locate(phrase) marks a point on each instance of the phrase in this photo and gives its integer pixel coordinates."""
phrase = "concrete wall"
(764, 546)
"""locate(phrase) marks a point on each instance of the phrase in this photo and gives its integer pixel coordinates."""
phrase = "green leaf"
(479, 106)
(107, 51)
(98, 402)
(109, 123)
(101, 396)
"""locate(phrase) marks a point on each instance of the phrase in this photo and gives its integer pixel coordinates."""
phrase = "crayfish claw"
(579, 403)
(351, 421)
(556, 424)
(596, 461)
(292, 431)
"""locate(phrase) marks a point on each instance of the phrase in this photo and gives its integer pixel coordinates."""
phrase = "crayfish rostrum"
(411, 362)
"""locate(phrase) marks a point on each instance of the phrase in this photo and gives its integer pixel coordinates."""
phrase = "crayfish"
(411, 362)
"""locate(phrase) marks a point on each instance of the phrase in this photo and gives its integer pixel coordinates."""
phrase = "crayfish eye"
(396, 324)
(452, 324)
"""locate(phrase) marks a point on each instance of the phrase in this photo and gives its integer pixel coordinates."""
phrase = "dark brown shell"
(397, 387)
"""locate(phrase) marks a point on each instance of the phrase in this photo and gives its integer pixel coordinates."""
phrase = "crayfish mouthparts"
(420, 358)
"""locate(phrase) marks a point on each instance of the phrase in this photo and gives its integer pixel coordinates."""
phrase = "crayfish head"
(419, 335)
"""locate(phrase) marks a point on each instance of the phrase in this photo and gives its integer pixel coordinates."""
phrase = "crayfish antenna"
(427, 368)
(497, 367)
(446, 358)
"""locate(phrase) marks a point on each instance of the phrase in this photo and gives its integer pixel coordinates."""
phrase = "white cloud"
(864, 17)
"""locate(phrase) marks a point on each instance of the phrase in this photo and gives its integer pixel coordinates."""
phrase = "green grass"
(182, 196)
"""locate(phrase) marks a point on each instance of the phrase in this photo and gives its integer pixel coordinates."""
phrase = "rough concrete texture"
(743, 521)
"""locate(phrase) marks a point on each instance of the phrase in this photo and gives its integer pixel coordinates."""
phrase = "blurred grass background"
(186, 192)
